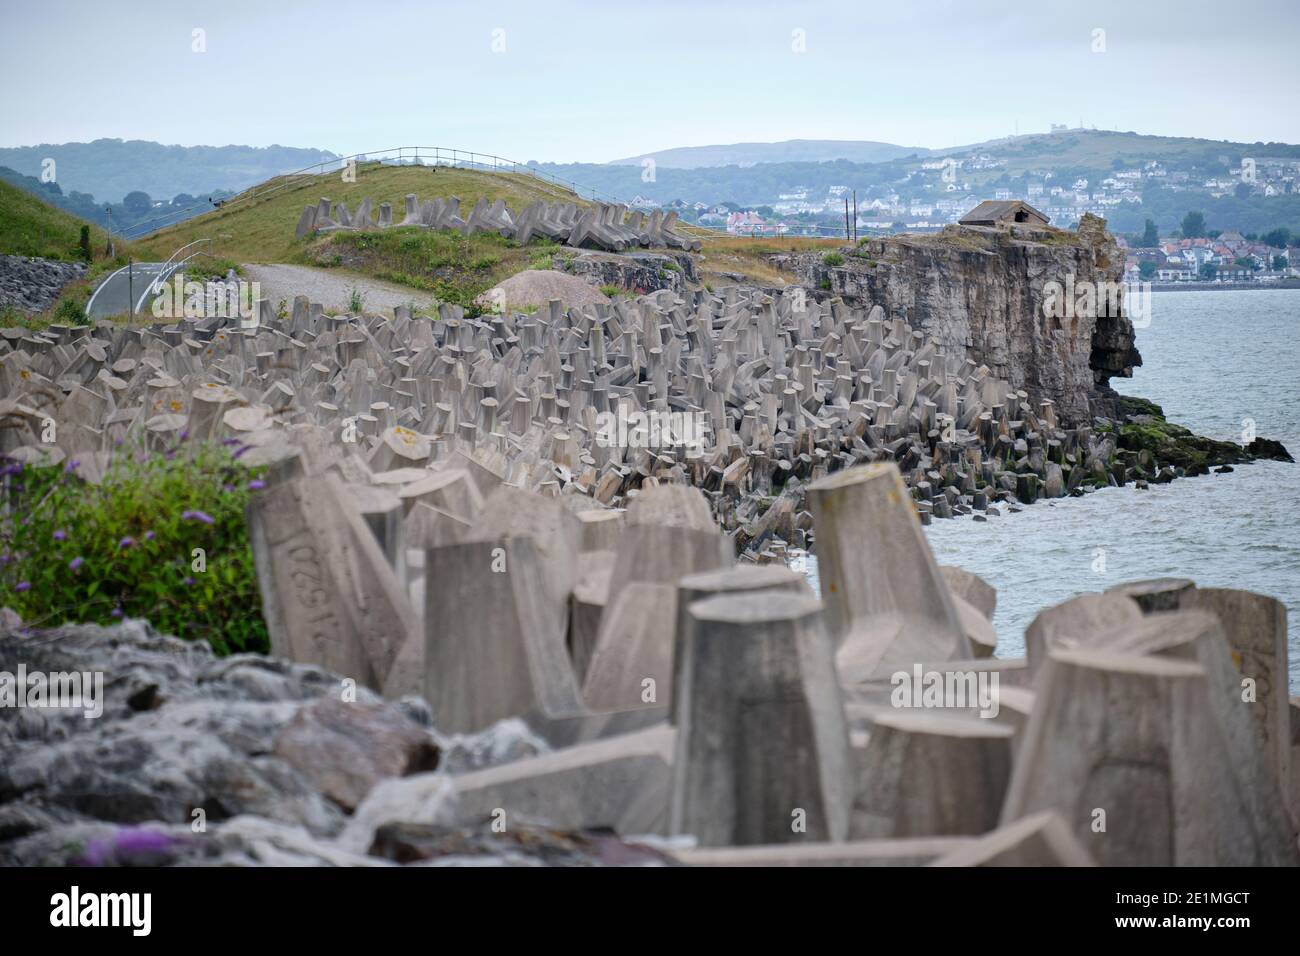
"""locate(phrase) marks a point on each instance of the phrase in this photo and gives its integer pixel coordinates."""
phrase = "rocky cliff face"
(990, 290)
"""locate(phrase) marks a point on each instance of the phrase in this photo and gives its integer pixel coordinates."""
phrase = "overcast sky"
(593, 81)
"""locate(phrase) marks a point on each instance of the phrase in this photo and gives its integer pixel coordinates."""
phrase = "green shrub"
(611, 290)
(833, 259)
(356, 301)
(83, 243)
(70, 310)
(74, 551)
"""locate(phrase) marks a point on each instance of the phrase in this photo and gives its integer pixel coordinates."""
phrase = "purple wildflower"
(257, 484)
(128, 845)
(230, 441)
(23, 586)
(185, 433)
(76, 563)
(188, 581)
(140, 840)
(242, 449)
(116, 612)
(72, 466)
(227, 488)
(60, 535)
(125, 543)
(149, 536)
(198, 516)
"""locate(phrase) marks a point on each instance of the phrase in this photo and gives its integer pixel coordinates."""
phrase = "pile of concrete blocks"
(439, 520)
(732, 714)
(746, 395)
(598, 225)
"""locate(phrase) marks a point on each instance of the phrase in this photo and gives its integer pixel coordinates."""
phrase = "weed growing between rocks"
(162, 537)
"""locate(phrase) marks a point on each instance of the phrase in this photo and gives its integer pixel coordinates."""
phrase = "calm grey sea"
(1211, 359)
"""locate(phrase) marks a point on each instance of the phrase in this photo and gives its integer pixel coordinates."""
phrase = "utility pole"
(112, 251)
(846, 218)
(855, 215)
(130, 284)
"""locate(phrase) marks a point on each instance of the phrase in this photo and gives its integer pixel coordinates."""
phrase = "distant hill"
(108, 169)
(1104, 148)
(788, 151)
(1013, 164)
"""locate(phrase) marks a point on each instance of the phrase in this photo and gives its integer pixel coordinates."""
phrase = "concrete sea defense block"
(764, 757)
(1076, 623)
(620, 782)
(914, 851)
(1256, 630)
(669, 533)
(1126, 749)
(494, 644)
(329, 595)
(929, 774)
(1041, 839)
(886, 601)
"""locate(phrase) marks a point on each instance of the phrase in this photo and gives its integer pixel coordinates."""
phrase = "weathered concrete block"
(1041, 839)
(1130, 743)
(886, 601)
(494, 645)
(1256, 630)
(1159, 594)
(915, 851)
(923, 773)
(620, 782)
(764, 753)
(1076, 623)
(329, 595)
(1234, 704)
(669, 533)
(971, 588)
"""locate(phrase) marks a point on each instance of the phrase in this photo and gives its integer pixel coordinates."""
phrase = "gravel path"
(332, 288)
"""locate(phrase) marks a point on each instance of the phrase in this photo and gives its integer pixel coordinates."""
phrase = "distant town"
(941, 190)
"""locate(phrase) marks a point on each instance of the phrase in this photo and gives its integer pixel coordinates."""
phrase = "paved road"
(332, 288)
(113, 297)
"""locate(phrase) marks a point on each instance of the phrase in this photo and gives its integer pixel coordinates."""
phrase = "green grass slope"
(258, 225)
(31, 227)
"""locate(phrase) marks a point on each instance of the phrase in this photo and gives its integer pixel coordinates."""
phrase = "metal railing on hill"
(395, 156)
(174, 262)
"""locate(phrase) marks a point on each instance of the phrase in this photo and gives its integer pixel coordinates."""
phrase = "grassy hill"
(1100, 148)
(30, 227)
(258, 225)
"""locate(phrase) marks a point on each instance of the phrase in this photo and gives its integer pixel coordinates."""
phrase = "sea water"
(1217, 362)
